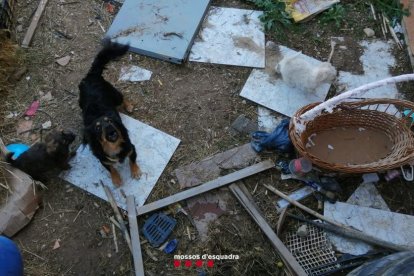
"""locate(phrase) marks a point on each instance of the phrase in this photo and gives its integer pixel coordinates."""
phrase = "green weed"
(335, 14)
(274, 14)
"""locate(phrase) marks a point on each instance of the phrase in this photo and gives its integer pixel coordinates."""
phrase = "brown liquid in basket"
(350, 145)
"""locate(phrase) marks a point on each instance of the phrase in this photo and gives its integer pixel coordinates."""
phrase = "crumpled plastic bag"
(277, 140)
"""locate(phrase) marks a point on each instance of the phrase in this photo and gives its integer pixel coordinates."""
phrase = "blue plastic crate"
(157, 228)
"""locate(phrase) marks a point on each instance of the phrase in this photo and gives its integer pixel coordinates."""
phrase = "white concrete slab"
(154, 149)
(266, 87)
(367, 195)
(389, 226)
(134, 73)
(232, 37)
(376, 60)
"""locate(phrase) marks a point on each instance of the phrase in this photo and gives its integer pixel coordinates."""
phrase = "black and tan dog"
(104, 130)
(43, 157)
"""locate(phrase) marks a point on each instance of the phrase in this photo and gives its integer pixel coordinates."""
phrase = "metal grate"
(312, 251)
(157, 228)
(6, 14)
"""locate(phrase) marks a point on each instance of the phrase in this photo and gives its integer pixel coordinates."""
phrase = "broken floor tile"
(210, 168)
(367, 195)
(154, 148)
(243, 125)
(231, 36)
(134, 73)
(385, 225)
(206, 208)
(266, 87)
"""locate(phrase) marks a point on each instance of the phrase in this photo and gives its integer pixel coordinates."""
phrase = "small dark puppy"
(45, 156)
(104, 130)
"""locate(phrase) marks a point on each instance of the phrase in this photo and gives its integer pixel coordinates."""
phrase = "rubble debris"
(369, 32)
(243, 125)
(212, 167)
(367, 195)
(302, 231)
(63, 61)
(134, 73)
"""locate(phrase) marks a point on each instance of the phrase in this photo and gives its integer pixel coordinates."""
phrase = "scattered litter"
(159, 147)
(302, 231)
(210, 168)
(145, 33)
(24, 127)
(171, 246)
(12, 115)
(243, 125)
(47, 125)
(370, 178)
(312, 251)
(369, 32)
(17, 149)
(265, 86)
(277, 140)
(158, 228)
(56, 245)
(330, 147)
(296, 195)
(391, 174)
(46, 97)
(34, 106)
(63, 61)
(231, 36)
(385, 225)
(300, 166)
(134, 73)
(303, 10)
(206, 209)
(21, 205)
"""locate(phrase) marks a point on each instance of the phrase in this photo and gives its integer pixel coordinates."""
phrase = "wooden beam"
(133, 230)
(35, 20)
(208, 186)
(245, 198)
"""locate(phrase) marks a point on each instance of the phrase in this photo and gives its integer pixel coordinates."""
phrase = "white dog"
(299, 73)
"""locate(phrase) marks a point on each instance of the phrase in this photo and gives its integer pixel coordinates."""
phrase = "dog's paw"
(116, 178)
(128, 106)
(135, 171)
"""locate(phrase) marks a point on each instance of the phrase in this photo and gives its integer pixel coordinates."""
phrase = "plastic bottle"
(300, 166)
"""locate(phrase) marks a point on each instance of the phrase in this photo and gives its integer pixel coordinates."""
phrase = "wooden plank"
(133, 229)
(244, 197)
(208, 186)
(35, 20)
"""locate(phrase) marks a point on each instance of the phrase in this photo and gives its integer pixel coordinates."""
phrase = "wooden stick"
(304, 208)
(373, 11)
(355, 234)
(245, 198)
(35, 20)
(281, 220)
(208, 186)
(394, 36)
(133, 228)
(115, 239)
(117, 215)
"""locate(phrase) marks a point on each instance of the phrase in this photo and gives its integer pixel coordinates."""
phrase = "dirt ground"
(194, 102)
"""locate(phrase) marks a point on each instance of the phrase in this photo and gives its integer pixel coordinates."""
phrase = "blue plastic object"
(277, 140)
(11, 262)
(157, 228)
(171, 246)
(17, 149)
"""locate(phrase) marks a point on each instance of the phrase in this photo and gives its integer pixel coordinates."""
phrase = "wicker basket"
(384, 115)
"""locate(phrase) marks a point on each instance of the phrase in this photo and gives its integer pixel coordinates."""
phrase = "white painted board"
(154, 148)
(230, 36)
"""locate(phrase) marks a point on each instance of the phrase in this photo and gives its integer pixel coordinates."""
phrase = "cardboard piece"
(22, 204)
(303, 10)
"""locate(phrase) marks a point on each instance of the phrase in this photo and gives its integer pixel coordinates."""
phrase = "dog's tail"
(109, 52)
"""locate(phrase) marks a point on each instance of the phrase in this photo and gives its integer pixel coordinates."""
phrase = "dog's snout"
(111, 134)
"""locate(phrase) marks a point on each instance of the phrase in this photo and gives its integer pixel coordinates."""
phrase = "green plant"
(393, 9)
(274, 14)
(336, 14)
